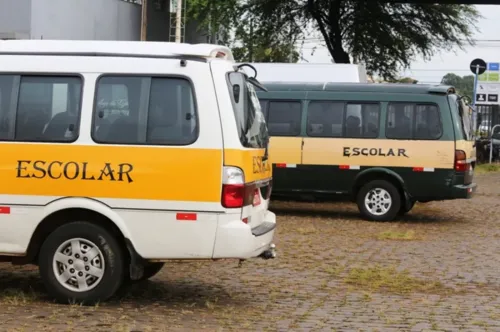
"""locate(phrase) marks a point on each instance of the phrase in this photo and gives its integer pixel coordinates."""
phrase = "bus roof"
(113, 48)
(361, 87)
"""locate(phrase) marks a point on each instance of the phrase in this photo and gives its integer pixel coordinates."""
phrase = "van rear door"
(251, 157)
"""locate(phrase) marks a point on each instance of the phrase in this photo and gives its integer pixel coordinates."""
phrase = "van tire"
(383, 194)
(82, 246)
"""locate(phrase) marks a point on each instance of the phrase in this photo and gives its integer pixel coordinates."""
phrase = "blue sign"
(493, 66)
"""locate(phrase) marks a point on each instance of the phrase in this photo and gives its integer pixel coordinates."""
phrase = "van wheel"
(81, 263)
(379, 200)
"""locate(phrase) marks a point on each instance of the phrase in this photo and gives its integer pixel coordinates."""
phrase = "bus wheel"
(379, 200)
(81, 263)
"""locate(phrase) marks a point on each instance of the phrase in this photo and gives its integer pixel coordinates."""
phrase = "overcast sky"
(432, 71)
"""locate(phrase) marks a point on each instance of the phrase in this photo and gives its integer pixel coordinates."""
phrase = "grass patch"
(379, 278)
(306, 230)
(487, 168)
(18, 297)
(395, 235)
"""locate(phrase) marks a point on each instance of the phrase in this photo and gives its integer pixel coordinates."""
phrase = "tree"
(257, 45)
(463, 84)
(385, 36)
(251, 40)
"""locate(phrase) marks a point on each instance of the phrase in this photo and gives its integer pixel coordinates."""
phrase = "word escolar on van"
(383, 146)
(119, 156)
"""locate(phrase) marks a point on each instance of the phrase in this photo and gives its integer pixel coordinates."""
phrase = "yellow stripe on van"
(378, 152)
(250, 161)
(156, 173)
(468, 147)
(287, 150)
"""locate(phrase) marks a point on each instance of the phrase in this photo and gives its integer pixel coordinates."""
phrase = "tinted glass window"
(263, 107)
(250, 120)
(411, 121)
(325, 119)
(145, 110)
(284, 118)
(427, 122)
(8, 101)
(399, 121)
(48, 109)
(362, 120)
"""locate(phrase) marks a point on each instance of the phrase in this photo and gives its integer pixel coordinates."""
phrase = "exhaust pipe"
(269, 253)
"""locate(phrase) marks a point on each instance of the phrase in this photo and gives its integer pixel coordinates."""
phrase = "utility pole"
(144, 20)
(178, 21)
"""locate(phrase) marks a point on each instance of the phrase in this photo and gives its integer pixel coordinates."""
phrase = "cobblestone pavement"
(436, 269)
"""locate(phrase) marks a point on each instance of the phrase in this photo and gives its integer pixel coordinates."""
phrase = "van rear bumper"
(236, 239)
(464, 191)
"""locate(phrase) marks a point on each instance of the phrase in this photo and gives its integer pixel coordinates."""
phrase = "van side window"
(8, 102)
(413, 121)
(263, 107)
(325, 119)
(362, 120)
(284, 118)
(144, 110)
(427, 122)
(399, 121)
(40, 108)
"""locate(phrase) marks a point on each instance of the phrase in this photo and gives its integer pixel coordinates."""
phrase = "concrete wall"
(85, 19)
(15, 18)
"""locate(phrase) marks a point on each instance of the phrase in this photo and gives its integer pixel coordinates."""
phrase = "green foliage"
(463, 84)
(386, 37)
(251, 40)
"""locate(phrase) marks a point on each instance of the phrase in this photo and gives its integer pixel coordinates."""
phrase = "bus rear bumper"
(464, 191)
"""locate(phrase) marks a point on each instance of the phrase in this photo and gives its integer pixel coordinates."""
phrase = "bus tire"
(81, 263)
(379, 200)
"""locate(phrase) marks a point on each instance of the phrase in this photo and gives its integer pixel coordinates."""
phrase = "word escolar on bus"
(352, 152)
(72, 170)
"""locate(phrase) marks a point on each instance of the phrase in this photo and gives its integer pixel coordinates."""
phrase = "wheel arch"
(65, 210)
(379, 173)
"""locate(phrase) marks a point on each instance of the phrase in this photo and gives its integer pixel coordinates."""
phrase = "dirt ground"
(436, 269)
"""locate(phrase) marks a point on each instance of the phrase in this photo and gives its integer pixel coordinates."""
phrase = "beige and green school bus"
(383, 146)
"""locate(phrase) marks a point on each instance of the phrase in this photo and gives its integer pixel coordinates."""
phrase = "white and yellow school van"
(119, 156)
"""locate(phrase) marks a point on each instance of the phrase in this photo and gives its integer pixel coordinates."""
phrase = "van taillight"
(238, 195)
(461, 164)
(235, 193)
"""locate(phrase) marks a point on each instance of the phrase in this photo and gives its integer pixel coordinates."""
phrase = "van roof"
(114, 48)
(361, 87)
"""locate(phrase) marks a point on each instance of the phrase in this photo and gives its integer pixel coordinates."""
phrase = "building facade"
(90, 20)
